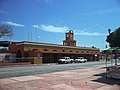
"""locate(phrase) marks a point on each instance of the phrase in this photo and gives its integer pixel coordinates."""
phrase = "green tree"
(4, 50)
(114, 38)
(6, 30)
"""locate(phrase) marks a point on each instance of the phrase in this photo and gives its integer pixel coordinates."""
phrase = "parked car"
(65, 60)
(80, 60)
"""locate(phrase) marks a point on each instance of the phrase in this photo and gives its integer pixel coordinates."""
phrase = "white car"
(80, 60)
(65, 60)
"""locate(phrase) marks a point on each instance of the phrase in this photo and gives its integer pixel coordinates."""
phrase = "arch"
(35, 50)
(19, 54)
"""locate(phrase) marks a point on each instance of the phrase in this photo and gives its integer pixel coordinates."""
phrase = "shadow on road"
(104, 79)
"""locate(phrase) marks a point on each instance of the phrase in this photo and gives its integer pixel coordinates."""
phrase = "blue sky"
(47, 20)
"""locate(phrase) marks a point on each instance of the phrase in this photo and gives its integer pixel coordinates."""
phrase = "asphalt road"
(14, 71)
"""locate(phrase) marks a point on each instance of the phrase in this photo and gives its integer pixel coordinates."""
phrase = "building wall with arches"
(50, 53)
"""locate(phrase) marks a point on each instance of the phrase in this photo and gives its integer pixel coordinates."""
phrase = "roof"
(5, 43)
(55, 45)
(111, 50)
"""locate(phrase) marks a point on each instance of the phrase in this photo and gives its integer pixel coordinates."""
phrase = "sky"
(47, 21)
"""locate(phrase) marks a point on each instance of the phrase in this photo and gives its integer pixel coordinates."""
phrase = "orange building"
(50, 53)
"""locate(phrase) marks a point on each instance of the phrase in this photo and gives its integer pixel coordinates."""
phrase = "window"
(64, 44)
(67, 35)
(54, 50)
(76, 51)
(71, 51)
(45, 50)
(82, 51)
(63, 50)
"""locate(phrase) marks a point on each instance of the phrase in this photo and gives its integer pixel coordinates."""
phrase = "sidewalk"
(14, 64)
(81, 79)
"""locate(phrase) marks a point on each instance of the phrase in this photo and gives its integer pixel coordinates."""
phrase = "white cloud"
(85, 33)
(13, 24)
(36, 26)
(51, 28)
(104, 11)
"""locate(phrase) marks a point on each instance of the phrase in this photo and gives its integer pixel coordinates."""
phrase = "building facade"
(50, 53)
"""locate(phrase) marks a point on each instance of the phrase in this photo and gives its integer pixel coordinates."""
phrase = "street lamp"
(109, 31)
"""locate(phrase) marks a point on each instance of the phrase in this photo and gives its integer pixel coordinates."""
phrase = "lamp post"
(109, 31)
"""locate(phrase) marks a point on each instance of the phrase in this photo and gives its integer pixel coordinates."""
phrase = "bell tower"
(69, 39)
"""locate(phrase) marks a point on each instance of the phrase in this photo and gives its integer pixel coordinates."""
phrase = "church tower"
(69, 39)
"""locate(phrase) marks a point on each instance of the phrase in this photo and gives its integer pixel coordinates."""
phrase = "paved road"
(81, 79)
(14, 71)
